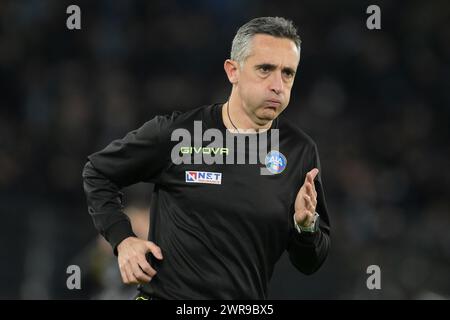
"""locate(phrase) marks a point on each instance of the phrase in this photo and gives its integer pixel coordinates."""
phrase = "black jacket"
(221, 227)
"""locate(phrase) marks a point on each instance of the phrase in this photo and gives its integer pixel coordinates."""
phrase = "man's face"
(266, 77)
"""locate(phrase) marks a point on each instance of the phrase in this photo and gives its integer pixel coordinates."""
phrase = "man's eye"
(289, 74)
(264, 69)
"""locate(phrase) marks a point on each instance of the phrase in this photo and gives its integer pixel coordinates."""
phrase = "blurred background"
(377, 102)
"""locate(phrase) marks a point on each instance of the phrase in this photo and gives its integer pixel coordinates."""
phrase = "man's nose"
(276, 82)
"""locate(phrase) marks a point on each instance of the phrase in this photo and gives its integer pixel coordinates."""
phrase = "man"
(218, 228)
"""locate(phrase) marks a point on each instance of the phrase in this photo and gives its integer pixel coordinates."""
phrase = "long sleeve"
(139, 156)
(105, 206)
(308, 251)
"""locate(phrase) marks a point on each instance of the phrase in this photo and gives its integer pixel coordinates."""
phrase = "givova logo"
(203, 177)
(212, 146)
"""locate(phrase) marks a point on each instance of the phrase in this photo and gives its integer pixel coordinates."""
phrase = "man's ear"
(232, 70)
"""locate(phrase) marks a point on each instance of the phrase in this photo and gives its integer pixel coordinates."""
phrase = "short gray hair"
(274, 26)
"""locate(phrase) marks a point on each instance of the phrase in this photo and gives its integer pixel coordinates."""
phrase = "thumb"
(154, 249)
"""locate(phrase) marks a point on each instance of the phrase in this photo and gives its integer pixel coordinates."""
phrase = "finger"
(123, 275)
(131, 279)
(313, 188)
(308, 203)
(311, 175)
(312, 195)
(138, 274)
(307, 200)
(310, 190)
(145, 266)
(155, 250)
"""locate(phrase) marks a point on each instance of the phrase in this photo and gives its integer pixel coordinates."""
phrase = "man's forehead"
(274, 50)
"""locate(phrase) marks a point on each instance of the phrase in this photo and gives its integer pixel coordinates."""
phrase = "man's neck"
(236, 118)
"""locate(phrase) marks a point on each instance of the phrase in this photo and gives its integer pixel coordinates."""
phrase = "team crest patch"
(275, 162)
(203, 177)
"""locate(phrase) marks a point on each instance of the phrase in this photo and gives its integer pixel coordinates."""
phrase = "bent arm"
(308, 251)
(105, 206)
(138, 157)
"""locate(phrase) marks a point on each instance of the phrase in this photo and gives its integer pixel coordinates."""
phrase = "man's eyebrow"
(271, 66)
(266, 66)
(288, 69)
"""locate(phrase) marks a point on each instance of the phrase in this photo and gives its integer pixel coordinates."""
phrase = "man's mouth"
(273, 104)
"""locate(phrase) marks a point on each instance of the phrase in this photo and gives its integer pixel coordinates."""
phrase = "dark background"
(377, 103)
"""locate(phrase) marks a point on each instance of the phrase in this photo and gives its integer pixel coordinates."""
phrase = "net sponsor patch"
(203, 177)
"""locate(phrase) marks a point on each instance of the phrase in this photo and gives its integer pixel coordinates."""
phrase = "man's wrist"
(118, 232)
(121, 243)
(313, 227)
